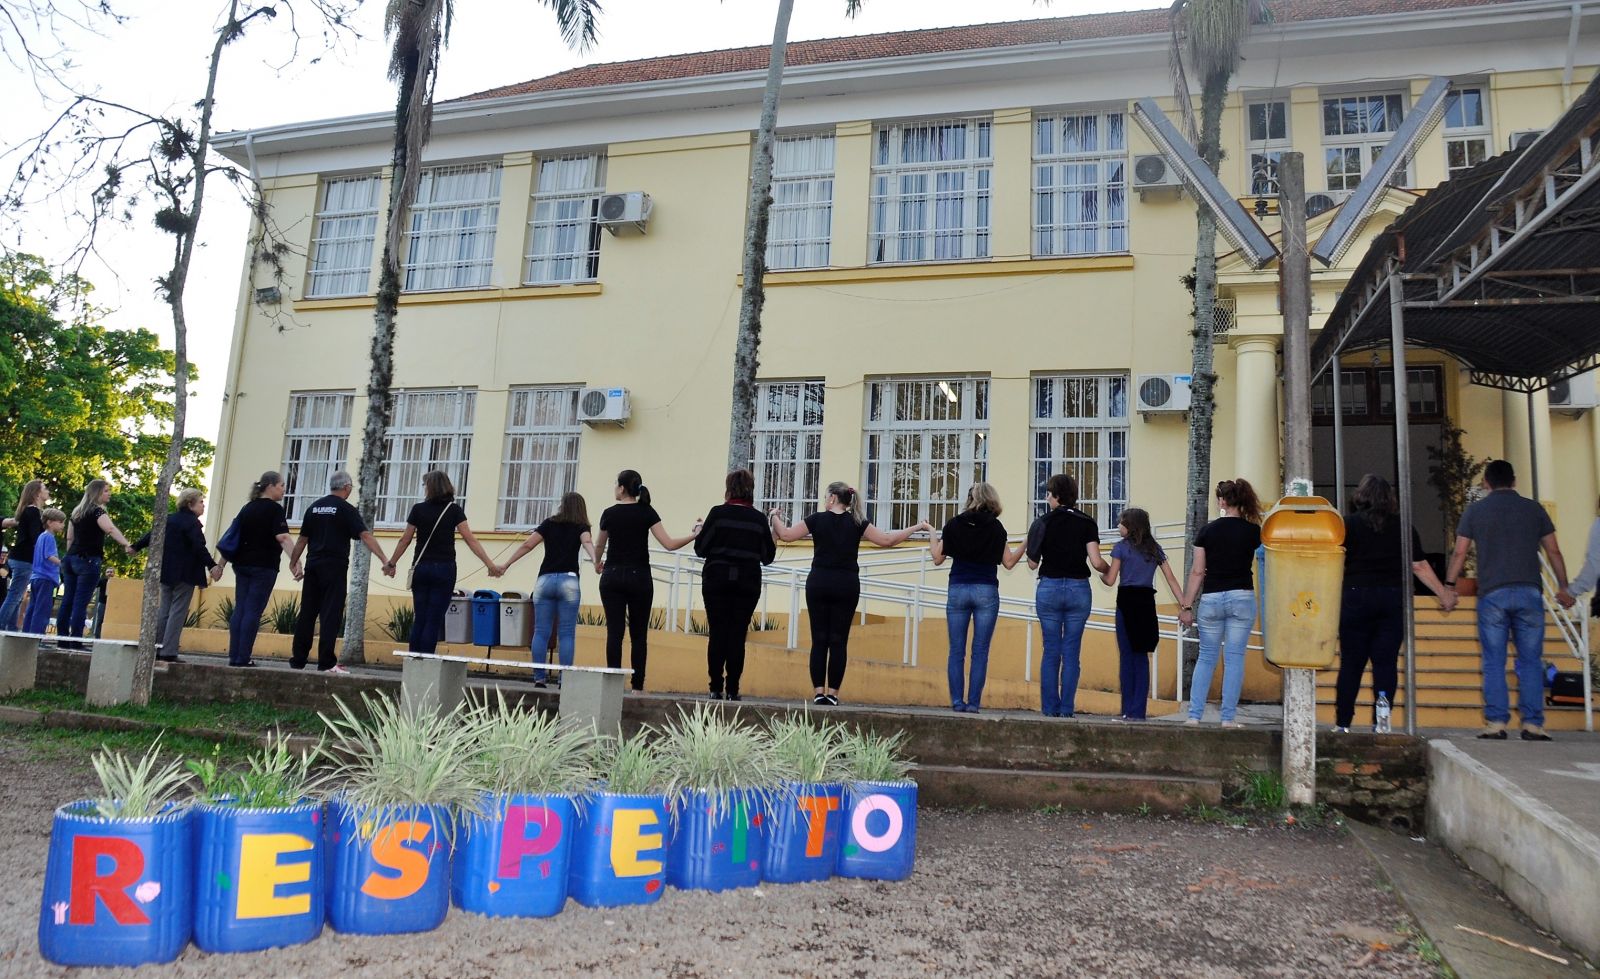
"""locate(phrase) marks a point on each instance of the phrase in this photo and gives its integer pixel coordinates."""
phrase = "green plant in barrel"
(806, 830)
(880, 807)
(395, 757)
(138, 789)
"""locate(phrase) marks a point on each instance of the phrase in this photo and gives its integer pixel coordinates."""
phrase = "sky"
(156, 60)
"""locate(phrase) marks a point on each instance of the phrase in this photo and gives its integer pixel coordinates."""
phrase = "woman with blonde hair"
(833, 588)
(438, 518)
(1222, 580)
(29, 523)
(87, 531)
(976, 542)
(185, 565)
(556, 594)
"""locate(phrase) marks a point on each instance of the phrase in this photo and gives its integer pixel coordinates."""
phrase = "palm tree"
(418, 31)
(747, 348)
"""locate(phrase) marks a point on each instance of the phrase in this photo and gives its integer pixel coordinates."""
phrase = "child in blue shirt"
(46, 574)
(1135, 558)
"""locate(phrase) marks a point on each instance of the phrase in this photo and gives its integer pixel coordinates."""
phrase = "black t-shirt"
(562, 544)
(1372, 558)
(1060, 541)
(836, 538)
(441, 545)
(330, 524)
(88, 540)
(738, 535)
(627, 527)
(260, 522)
(29, 526)
(1230, 544)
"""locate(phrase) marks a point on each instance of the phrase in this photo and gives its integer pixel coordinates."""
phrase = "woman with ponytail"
(86, 553)
(833, 588)
(1222, 581)
(261, 535)
(626, 588)
(29, 523)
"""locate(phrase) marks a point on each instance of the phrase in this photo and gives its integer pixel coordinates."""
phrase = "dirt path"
(995, 894)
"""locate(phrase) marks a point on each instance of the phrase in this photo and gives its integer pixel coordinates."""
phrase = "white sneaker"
(1191, 722)
(1340, 730)
(339, 670)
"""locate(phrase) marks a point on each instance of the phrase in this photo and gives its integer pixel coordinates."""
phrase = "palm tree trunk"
(746, 352)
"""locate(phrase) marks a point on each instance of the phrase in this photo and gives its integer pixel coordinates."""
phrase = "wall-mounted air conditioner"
(628, 210)
(1152, 172)
(603, 406)
(1162, 393)
(1576, 395)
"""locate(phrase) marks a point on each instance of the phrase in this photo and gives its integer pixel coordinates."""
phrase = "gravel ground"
(994, 894)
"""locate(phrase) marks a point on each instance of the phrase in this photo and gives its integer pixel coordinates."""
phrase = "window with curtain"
(1080, 427)
(1266, 140)
(564, 233)
(432, 429)
(788, 446)
(1466, 129)
(450, 242)
(1080, 184)
(1354, 131)
(801, 224)
(541, 457)
(926, 444)
(930, 191)
(316, 444)
(341, 245)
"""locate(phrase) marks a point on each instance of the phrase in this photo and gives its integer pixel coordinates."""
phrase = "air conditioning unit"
(1577, 394)
(1162, 392)
(1523, 138)
(1152, 172)
(603, 406)
(628, 210)
(1320, 204)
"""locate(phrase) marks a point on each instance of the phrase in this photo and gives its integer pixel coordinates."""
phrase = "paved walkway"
(1563, 774)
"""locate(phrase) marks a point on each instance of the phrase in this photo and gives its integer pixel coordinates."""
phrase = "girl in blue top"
(1135, 558)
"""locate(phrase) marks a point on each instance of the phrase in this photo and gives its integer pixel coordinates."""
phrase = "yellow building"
(975, 272)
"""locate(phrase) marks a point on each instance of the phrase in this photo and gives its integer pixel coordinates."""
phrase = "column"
(841, 431)
(1544, 459)
(852, 181)
(1514, 429)
(511, 231)
(1010, 225)
(1256, 449)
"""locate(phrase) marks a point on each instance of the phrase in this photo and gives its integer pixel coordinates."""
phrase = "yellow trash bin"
(1304, 540)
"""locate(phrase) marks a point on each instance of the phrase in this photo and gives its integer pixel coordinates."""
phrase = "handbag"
(416, 555)
(228, 543)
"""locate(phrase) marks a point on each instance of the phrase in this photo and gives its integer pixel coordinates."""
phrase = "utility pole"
(1294, 284)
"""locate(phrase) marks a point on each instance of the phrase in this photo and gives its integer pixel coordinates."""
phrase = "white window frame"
(788, 446)
(316, 444)
(1080, 192)
(413, 448)
(800, 230)
(449, 243)
(1263, 151)
(1465, 134)
(341, 244)
(540, 463)
(563, 220)
(898, 482)
(1068, 410)
(911, 213)
(1360, 136)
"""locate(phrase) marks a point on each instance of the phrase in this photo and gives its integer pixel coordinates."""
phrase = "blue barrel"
(390, 869)
(718, 844)
(514, 862)
(485, 617)
(804, 829)
(117, 891)
(259, 877)
(619, 850)
(880, 830)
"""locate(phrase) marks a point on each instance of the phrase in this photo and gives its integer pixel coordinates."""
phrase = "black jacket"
(184, 558)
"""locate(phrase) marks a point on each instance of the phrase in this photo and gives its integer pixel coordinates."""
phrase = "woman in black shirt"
(556, 594)
(1061, 546)
(626, 588)
(833, 588)
(1223, 582)
(86, 552)
(735, 540)
(262, 535)
(19, 561)
(1372, 612)
(438, 518)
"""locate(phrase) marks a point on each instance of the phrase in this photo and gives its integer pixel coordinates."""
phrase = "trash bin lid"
(512, 597)
(1303, 522)
(483, 594)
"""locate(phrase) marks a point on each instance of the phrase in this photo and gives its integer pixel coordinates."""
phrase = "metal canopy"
(1500, 266)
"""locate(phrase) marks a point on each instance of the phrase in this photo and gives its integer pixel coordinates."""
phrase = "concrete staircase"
(1449, 678)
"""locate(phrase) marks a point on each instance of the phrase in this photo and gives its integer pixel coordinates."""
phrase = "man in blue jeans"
(1509, 529)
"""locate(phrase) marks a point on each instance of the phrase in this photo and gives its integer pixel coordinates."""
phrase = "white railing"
(1573, 625)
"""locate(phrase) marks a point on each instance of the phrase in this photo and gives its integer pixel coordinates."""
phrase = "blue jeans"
(978, 605)
(38, 617)
(1225, 619)
(80, 576)
(555, 606)
(1063, 605)
(252, 589)
(432, 584)
(21, 577)
(1514, 613)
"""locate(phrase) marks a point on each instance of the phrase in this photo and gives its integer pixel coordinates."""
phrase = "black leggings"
(831, 600)
(1372, 628)
(731, 593)
(626, 594)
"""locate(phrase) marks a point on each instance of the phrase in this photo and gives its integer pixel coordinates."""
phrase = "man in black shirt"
(329, 525)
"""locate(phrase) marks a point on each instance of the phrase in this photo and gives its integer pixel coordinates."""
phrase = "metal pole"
(1338, 435)
(1402, 448)
(1533, 449)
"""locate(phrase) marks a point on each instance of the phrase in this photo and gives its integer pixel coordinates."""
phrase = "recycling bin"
(485, 617)
(458, 619)
(516, 618)
(1304, 541)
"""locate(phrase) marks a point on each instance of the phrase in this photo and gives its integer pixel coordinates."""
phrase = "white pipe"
(1572, 54)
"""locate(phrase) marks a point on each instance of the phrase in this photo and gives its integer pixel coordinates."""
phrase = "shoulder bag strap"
(416, 555)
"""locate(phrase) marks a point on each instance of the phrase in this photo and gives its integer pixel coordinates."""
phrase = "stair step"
(1453, 716)
(1005, 788)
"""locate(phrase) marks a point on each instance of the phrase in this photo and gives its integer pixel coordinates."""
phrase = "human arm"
(1589, 574)
(400, 549)
(891, 538)
(1191, 593)
(671, 543)
(8, 523)
(111, 531)
(299, 548)
(143, 542)
(1172, 581)
(1109, 575)
(1095, 560)
(1458, 560)
(1035, 544)
(477, 548)
(599, 551)
(786, 533)
(1013, 555)
(373, 546)
(587, 543)
(702, 540)
(1558, 566)
(530, 542)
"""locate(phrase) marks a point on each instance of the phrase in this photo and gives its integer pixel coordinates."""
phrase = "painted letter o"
(858, 823)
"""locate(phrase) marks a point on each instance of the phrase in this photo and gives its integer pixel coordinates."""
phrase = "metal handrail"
(1573, 625)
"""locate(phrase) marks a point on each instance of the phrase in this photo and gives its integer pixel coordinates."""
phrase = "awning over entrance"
(1500, 266)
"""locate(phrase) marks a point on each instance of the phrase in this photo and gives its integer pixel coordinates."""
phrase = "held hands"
(216, 574)
(1565, 598)
(599, 567)
(695, 530)
(129, 549)
(1449, 600)
(1186, 618)
(495, 570)
(296, 570)
(388, 569)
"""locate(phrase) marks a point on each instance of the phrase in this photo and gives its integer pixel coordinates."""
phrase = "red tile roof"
(1053, 30)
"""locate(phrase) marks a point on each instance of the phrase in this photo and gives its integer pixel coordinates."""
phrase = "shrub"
(274, 778)
(529, 752)
(283, 614)
(397, 758)
(401, 619)
(710, 750)
(632, 766)
(869, 757)
(814, 751)
(136, 790)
